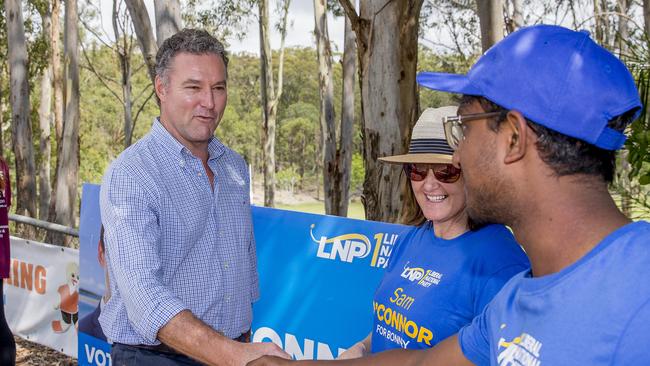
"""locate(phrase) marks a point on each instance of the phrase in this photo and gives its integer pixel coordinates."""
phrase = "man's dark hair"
(194, 41)
(565, 155)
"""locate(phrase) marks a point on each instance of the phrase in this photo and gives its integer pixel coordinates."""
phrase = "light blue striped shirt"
(172, 243)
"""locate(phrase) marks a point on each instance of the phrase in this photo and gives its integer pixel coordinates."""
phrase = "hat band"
(430, 146)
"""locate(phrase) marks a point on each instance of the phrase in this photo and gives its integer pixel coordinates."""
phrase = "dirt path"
(28, 353)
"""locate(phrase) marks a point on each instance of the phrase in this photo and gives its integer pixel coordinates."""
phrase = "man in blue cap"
(540, 119)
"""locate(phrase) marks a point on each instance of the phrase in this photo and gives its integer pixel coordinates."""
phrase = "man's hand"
(188, 335)
(269, 361)
(250, 351)
(356, 351)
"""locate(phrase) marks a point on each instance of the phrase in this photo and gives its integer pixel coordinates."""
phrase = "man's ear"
(515, 128)
(159, 88)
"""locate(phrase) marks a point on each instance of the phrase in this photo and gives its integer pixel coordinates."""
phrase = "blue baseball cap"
(554, 76)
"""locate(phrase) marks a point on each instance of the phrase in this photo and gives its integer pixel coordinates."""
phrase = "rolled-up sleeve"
(473, 339)
(132, 230)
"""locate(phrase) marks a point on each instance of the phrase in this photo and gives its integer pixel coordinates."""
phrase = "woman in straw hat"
(445, 269)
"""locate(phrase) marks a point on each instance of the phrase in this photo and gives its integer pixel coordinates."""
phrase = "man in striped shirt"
(178, 228)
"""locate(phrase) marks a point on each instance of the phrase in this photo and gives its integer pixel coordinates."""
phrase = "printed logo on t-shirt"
(522, 350)
(355, 246)
(422, 277)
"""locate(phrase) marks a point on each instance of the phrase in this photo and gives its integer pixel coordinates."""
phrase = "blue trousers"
(125, 355)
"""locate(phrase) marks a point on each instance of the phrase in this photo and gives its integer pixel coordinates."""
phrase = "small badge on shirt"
(422, 277)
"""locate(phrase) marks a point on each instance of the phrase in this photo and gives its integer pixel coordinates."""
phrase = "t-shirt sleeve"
(474, 341)
(633, 345)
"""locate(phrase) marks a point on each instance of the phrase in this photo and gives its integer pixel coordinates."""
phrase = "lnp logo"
(420, 276)
(523, 350)
(346, 247)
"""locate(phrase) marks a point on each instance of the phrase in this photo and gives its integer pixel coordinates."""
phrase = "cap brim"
(417, 159)
(452, 83)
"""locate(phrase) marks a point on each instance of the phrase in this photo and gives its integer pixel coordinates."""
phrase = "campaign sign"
(317, 274)
(92, 346)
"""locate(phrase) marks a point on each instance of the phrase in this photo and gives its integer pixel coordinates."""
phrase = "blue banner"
(317, 273)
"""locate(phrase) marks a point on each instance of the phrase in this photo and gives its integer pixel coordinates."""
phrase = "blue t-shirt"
(432, 286)
(594, 312)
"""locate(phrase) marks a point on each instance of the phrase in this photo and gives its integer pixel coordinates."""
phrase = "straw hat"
(428, 143)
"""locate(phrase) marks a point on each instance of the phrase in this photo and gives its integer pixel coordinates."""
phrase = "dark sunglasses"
(445, 173)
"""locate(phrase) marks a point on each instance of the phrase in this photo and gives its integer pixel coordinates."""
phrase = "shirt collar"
(174, 147)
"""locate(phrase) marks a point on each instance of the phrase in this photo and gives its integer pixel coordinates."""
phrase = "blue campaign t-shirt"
(432, 286)
(594, 312)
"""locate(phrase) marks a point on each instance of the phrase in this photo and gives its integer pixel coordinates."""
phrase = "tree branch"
(135, 119)
(99, 76)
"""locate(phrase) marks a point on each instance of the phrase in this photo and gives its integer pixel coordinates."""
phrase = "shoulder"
(232, 156)
(404, 240)
(496, 247)
(235, 165)
(134, 170)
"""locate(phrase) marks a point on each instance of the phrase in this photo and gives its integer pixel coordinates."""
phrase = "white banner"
(42, 294)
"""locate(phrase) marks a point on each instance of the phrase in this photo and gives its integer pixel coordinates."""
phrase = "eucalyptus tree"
(336, 156)
(389, 103)
(270, 95)
(67, 172)
(45, 118)
(490, 13)
(144, 32)
(20, 110)
(168, 19)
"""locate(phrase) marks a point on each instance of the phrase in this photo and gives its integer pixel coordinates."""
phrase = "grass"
(355, 209)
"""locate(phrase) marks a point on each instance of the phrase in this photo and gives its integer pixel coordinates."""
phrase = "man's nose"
(207, 99)
(455, 159)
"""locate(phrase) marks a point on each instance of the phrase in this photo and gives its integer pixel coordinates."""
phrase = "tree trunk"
(516, 20)
(57, 72)
(327, 113)
(45, 118)
(123, 51)
(68, 152)
(168, 19)
(142, 26)
(490, 14)
(344, 154)
(646, 19)
(270, 96)
(624, 167)
(598, 23)
(389, 104)
(623, 30)
(20, 122)
(268, 110)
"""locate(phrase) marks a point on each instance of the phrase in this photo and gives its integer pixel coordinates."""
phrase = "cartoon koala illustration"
(69, 300)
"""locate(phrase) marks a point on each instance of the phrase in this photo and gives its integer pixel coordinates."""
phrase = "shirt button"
(225, 265)
(181, 163)
(199, 174)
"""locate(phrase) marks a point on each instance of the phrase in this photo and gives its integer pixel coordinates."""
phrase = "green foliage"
(358, 173)
(451, 63)
(638, 143)
(224, 19)
(287, 178)
(102, 115)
